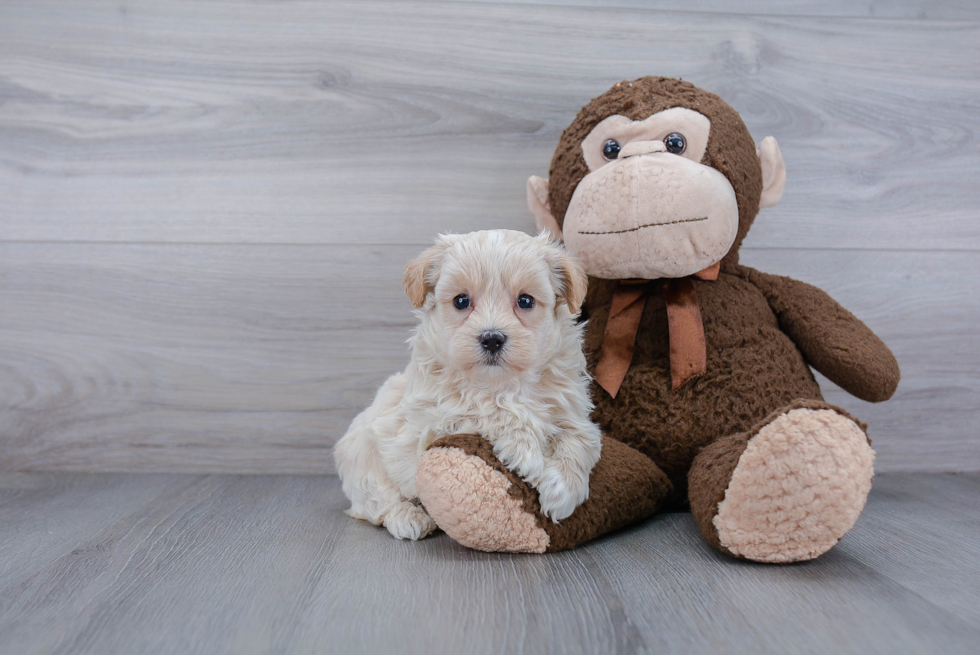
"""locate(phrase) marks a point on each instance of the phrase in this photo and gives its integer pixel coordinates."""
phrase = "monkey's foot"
(788, 490)
(475, 500)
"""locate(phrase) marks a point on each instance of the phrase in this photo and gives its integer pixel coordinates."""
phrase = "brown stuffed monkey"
(703, 387)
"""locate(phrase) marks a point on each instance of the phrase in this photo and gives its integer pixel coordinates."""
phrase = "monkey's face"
(656, 178)
(649, 208)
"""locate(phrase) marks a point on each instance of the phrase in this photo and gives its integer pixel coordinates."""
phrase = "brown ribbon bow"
(688, 350)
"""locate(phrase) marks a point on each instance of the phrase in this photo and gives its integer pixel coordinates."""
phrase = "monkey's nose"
(492, 341)
(634, 148)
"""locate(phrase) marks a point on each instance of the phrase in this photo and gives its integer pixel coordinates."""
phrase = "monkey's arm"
(833, 340)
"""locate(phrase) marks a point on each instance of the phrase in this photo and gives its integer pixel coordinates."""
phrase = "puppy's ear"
(422, 273)
(571, 282)
(577, 283)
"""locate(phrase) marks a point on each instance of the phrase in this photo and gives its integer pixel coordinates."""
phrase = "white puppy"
(497, 353)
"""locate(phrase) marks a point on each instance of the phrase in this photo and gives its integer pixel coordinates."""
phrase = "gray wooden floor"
(142, 563)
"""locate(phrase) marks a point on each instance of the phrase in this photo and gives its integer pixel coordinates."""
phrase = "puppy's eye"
(461, 302)
(525, 301)
(676, 143)
(610, 149)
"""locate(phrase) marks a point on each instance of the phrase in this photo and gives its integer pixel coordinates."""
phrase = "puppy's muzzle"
(492, 342)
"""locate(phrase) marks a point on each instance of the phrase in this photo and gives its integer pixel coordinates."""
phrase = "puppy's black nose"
(492, 341)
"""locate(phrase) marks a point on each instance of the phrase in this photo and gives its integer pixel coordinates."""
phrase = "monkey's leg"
(787, 490)
(475, 500)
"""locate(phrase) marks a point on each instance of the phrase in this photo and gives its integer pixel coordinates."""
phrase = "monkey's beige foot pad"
(798, 487)
(475, 500)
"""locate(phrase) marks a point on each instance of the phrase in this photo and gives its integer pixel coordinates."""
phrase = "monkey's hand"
(833, 340)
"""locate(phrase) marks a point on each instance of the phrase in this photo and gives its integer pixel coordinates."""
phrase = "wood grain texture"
(374, 122)
(912, 525)
(256, 358)
(205, 207)
(258, 564)
(914, 9)
(234, 358)
(47, 515)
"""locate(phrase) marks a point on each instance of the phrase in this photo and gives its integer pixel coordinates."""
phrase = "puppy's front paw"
(408, 521)
(522, 456)
(559, 496)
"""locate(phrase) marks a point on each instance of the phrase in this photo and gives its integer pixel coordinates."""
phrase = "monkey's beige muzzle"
(651, 214)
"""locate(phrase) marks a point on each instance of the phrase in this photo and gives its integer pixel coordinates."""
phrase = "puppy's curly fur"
(497, 353)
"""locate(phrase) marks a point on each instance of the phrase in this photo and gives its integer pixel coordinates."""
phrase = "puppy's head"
(494, 302)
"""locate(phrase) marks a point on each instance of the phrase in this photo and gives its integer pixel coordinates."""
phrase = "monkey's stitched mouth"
(640, 227)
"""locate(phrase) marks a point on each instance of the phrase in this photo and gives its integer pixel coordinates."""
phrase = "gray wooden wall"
(205, 207)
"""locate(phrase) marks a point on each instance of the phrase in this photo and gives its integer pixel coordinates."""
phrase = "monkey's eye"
(610, 149)
(461, 302)
(676, 143)
(525, 301)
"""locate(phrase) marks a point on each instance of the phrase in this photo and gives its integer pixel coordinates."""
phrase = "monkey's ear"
(773, 172)
(538, 203)
(422, 273)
